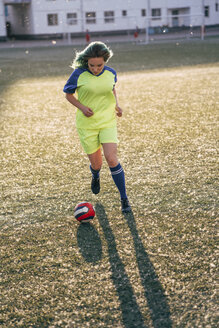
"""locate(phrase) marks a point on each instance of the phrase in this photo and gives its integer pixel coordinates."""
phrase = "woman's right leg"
(89, 139)
(95, 166)
(96, 159)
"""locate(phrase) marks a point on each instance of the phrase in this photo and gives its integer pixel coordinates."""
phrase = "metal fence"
(143, 30)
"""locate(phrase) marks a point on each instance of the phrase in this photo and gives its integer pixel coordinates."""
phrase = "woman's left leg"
(110, 153)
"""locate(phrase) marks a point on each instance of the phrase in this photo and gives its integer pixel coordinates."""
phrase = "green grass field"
(155, 267)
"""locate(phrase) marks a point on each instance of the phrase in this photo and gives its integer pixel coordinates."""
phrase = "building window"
(206, 11)
(109, 16)
(90, 17)
(156, 13)
(216, 6)
(143, 12)
(52, 19)
(72, 18)
(124, 13)
(175, 12)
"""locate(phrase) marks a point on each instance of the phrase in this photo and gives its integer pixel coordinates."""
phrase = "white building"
(45, 18)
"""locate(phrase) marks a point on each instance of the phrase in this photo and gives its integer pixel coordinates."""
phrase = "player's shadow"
(89, 242)
(131, 313)
(154, 292)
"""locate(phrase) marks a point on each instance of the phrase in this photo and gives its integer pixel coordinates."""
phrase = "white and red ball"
(84, 212)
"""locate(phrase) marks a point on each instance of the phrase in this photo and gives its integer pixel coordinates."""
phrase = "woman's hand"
(119, 111)
(74, 101)
(87, 111)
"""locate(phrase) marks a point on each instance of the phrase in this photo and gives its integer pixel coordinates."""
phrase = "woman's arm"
(118, 109)
(74, 101)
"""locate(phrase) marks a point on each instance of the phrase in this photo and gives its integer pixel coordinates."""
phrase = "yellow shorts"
(91, 139)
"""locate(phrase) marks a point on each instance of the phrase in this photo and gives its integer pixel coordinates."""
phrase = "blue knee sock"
(95, 173)
(119, 179)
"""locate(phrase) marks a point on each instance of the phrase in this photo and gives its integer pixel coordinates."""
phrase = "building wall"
(2, 21)
(214, 15)
(20, 17)
(50, 16)
(43, 8)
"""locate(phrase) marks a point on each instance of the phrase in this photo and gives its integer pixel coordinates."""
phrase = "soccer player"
(97, 106)
(136, 34)
(87, 36)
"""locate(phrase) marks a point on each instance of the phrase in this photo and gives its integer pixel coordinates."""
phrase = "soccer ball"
(84, 212)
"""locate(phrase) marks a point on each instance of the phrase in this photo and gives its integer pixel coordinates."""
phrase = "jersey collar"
(98, 74)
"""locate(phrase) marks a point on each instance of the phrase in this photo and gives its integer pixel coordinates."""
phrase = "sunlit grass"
(157, 266)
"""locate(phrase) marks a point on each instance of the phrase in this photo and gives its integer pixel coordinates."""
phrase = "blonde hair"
(93, 50)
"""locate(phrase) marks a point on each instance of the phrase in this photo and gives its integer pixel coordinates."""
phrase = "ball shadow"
(89, 243)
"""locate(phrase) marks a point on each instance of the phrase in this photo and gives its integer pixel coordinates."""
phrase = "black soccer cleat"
(95, 185)
(126, 208)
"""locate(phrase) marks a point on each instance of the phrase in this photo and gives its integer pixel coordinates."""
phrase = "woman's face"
(96, 65)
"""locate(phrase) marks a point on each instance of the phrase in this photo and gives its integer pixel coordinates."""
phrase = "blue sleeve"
(112, 71)
(71, 84)
(115, 76)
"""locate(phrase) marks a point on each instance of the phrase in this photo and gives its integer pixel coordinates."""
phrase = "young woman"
(97, 106)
